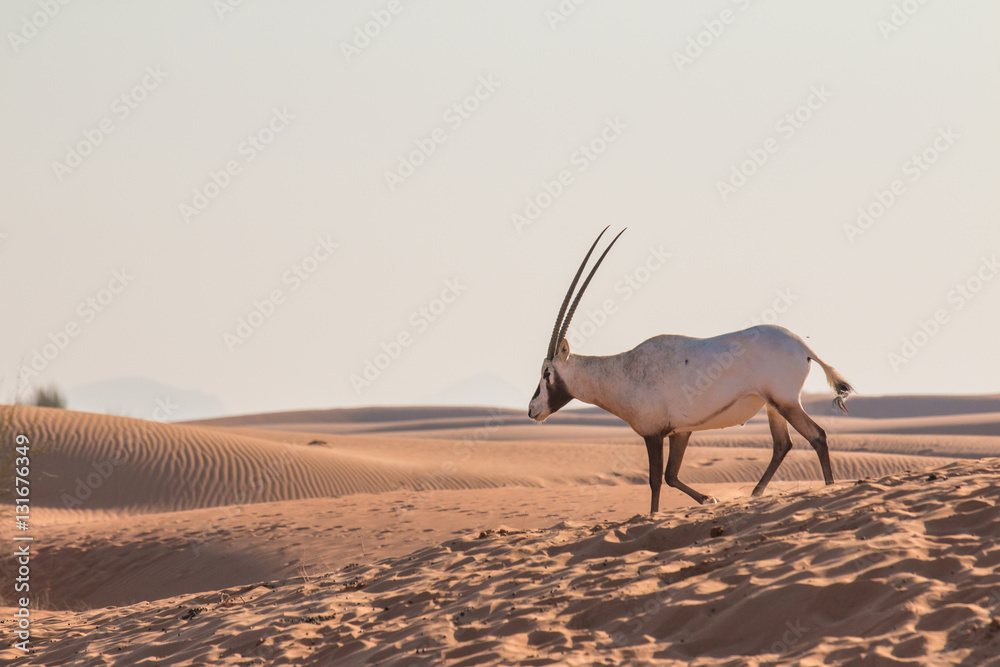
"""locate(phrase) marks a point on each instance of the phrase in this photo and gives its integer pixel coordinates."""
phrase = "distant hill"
(482, 389)
(143, 398)
(956, 415)
(897, 407)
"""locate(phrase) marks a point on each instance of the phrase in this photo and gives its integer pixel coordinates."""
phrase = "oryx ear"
(564, 349)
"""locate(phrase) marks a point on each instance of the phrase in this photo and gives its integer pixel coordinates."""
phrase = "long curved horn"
(569, 294)
(583, 288)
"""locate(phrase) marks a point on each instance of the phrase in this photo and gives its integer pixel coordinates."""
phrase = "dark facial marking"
(558, 393)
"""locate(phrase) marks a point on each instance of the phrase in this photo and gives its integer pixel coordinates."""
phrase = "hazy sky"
(171, 167)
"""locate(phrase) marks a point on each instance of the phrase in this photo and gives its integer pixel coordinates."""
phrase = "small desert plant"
(10, 428)
(7, 451)
(49, 397)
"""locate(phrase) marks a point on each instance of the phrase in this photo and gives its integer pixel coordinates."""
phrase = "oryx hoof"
(709, 500)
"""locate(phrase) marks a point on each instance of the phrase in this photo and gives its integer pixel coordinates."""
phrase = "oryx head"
(552, 393)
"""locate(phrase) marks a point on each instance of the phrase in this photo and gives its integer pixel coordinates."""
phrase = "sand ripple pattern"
(97, 463)
(897, 571)
(100, 462)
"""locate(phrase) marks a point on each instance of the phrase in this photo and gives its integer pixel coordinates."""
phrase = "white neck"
(594, 380)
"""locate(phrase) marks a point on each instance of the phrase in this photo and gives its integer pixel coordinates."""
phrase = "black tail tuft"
(843, 389)
(837, 382)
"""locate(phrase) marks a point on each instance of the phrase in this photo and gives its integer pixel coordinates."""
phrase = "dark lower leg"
(678, 445)
(824, 456)
(782, 445)
(812, 432)
(654, 450)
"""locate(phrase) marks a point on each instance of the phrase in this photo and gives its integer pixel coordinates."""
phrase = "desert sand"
(466, 536)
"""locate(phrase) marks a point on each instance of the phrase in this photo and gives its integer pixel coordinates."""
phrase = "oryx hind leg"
(782, 445)
(811, 431)
(678, 445)
(654, 450)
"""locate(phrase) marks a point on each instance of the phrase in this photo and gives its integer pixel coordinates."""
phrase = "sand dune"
(380, 530)
(986, 423)
(102, 463)
(903, 415)
(894, 407)
(98, 462)
(899, 571)
(122, 560)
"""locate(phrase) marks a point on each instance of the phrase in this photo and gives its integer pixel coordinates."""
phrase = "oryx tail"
(837, 382)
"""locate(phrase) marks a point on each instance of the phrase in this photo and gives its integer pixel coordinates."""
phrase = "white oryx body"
(672, 386)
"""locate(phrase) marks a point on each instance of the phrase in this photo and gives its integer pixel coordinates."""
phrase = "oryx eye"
(546, 376)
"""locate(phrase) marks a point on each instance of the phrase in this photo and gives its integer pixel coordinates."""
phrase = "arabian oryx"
(652, 388)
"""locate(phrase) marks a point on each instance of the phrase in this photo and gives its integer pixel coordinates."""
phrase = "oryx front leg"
(678, 444)
(782, 445)
(812, 432)
(654, 450)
